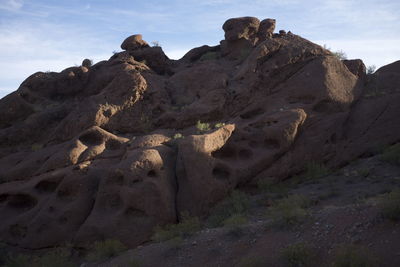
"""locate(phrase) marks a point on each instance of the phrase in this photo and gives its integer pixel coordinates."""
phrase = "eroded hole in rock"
(152, 173)
(245, 154)
(113, 144)
(253, 144)
(112, 201)
(325, 106)
(333, 138)
(221, 172)
(21, 201)
(271, 143)
(252, 113)
(18, 231)
(92, 138)
(135, 181)
(47, 186)
(307, 99)
(132, 212)
(63, 220)
(225, 152)
(116, 179)
(67, 192)
(3, 198)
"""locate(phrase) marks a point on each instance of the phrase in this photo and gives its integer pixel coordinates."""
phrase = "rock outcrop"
(112, 150)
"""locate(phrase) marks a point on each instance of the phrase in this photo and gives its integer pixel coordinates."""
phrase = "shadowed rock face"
(92, 152)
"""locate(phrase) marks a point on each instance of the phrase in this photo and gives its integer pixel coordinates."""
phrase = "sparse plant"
(186, 227)
(105, 250)
(178, 136)
(36, 147)
(237, 203)
(289, 211)
(251, 261)
(315, 170)
(235, 223)
(299, 254)
(340, 54)
(134, 263)
(363, 172)
(371, 69)
(19, 260)
(209, 56)
(155, 44)
(353, 256)
(392, 154)
(203, 126)
(390, 205)
(219, 125)
(58, 257)
(270, 186)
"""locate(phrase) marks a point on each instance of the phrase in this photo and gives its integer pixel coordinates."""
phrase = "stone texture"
(111, 150)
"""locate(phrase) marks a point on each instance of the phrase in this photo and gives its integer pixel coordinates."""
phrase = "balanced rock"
(237, 28)
(134, 42)
(266, 28)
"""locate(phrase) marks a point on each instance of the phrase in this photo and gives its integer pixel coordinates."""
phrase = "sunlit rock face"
(113, 149)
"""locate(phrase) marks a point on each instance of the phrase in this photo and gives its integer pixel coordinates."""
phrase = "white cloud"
(11, 5)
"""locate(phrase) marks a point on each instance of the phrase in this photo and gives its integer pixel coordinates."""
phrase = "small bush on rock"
(353, 256)
(209, 56)
(392, 154)
(105, 249)
(315, 170)
(289, 211)
(187, 227)
(203, 126)
(236, 204)
(390, 205)
(298, 255)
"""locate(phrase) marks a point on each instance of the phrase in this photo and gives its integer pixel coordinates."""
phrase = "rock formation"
(94, 152)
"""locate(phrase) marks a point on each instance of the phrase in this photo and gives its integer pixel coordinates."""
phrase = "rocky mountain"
(113, 149)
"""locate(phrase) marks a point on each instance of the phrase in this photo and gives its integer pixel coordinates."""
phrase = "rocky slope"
(114, 149)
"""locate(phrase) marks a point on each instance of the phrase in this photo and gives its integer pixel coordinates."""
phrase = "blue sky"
(42, 35)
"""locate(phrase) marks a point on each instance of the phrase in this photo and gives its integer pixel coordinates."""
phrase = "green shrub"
(340, 54)
(105, 249)
(187, 227)
(19, 260)
(251, 261)
(363, 172)
(235, 224)
(219, 125)
(203, 126)
(371, 69)
(178, 136)
(298, 255)
(237, 203)
(36, 147)
(315, 170)
(392, 154)
(269, 186)
(58, 257)
(353, 256)
(390, 205)
(134, 263)
(289, 211)
(209, 56)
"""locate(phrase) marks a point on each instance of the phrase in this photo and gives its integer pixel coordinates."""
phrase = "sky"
(51, 35)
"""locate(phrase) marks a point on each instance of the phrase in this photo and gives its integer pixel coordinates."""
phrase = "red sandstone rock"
(111, 150)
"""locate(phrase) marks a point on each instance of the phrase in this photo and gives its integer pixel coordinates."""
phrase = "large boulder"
(134, 42)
